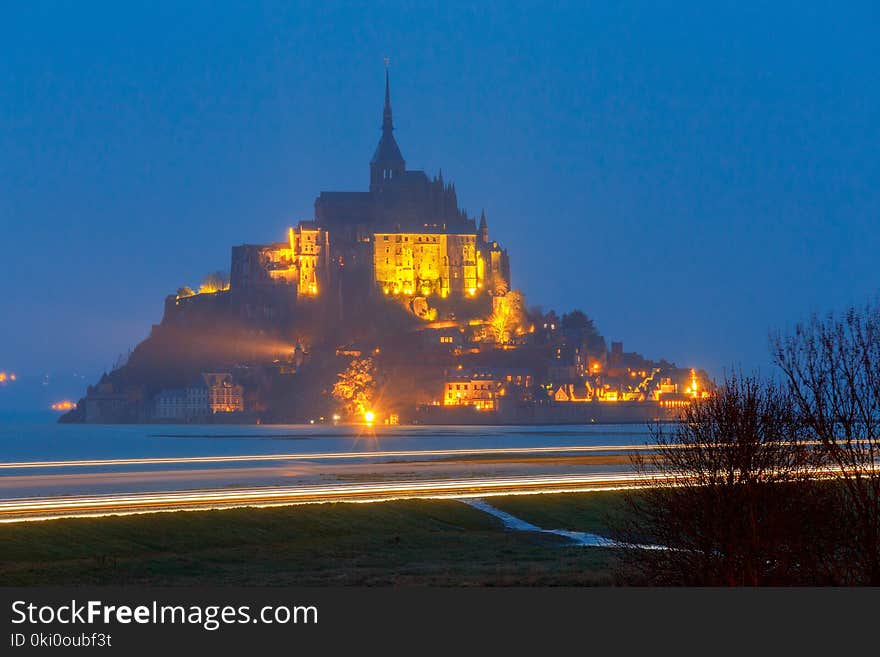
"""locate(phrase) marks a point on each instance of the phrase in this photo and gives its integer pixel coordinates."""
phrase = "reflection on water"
(27, 438)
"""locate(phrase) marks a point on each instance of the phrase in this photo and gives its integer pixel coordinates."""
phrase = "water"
(37, 437)
(313, 455)
(583, 539)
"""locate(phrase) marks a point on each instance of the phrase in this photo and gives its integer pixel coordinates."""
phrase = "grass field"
(582, 512)
(407, 542)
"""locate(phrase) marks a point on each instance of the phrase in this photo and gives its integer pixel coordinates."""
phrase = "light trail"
(306, 456)
(242, 458)
(32, 509)
(47, 508)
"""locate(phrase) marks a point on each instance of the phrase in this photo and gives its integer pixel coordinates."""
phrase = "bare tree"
(734, 504)
(832, 365)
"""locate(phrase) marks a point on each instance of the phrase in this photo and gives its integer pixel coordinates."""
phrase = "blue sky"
(691, 176)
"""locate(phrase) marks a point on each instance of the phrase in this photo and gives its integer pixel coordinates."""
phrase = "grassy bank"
(413, 542)
(582, 512)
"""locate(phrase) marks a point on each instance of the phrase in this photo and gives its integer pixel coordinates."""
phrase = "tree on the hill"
(508, 315)
(356, 386)
(216, 281)
(577, 326)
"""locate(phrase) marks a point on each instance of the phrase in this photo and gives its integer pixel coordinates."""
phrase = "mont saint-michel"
(390, 305)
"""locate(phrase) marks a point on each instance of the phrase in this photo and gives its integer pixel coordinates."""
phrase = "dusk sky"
(690, 175)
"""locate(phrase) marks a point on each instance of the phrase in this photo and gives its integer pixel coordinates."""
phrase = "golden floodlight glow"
(369, 417)
(65, 405)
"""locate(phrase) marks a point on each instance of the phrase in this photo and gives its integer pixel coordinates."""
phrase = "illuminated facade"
(482, 388)
(408, 229)
(215, 393)
(477, 389)
(302, 262)
(224, 395)
(426, 263)
(405, 236)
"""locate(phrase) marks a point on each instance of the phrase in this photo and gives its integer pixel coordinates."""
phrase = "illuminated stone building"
(213, 393)
(426, 263)
(302, 262)
(408, 229)
(483, 388)
(405, 236)
(224, 395)
(477, 389)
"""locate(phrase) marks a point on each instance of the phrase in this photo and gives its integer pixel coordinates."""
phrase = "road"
(48, 508)
(41, 490)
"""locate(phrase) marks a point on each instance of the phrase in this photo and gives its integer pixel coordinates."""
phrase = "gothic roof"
(387, 151)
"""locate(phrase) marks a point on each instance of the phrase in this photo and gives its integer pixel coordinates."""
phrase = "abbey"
(405, 234)
(395, 286)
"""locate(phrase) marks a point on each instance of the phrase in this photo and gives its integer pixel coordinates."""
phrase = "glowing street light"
(369, 417)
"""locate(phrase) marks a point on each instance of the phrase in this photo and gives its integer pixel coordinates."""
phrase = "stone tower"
(484, 228)
(387, 162)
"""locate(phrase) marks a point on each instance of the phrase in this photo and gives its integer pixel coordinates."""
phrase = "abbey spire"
(483, 230)
(387, 123)
(387, 161)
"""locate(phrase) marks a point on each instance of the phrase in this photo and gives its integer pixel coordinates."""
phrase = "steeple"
(387, 124)
(387, 162)
(484, 228)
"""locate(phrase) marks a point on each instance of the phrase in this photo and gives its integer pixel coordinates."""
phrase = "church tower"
(484, 228)
(387, 162)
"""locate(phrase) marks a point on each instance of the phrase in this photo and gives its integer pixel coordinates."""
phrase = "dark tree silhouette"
(578, 327)
(832, 366)
(735, 504)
